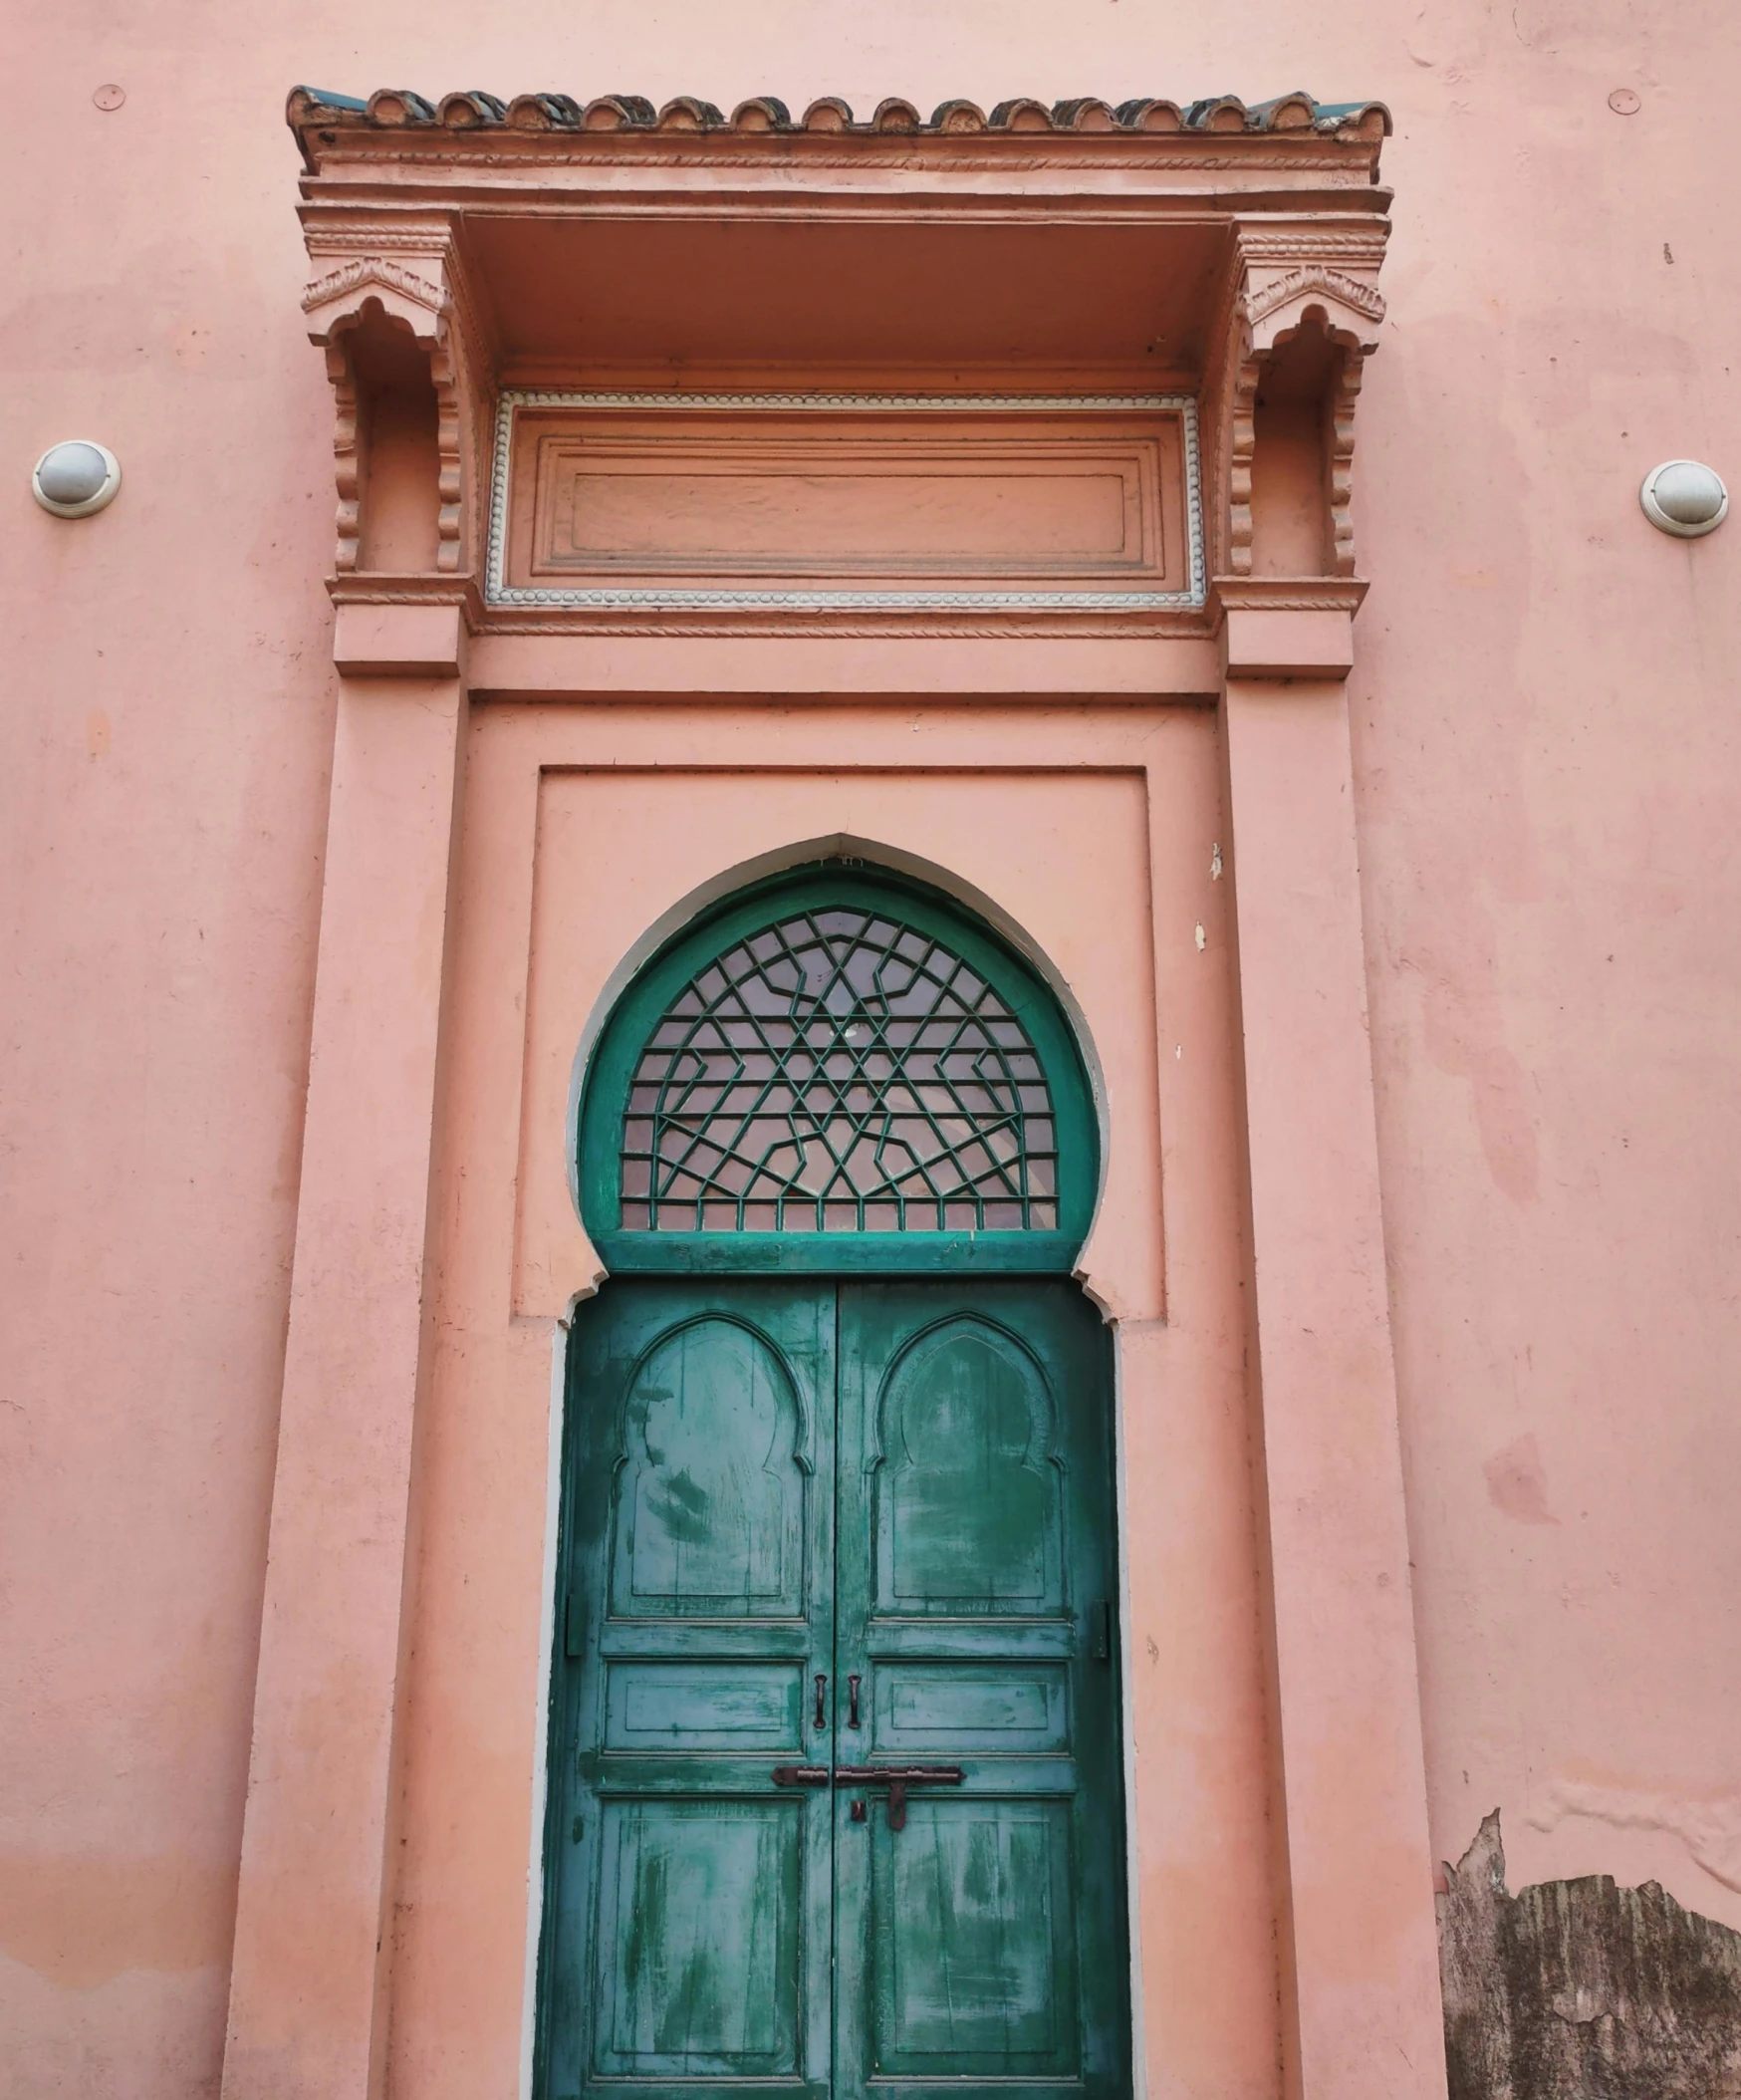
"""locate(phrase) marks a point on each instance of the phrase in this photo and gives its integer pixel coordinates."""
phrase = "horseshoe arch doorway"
(835, 1783)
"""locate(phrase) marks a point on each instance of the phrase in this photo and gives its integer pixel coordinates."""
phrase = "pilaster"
(308, 1980)
(1360, 1948)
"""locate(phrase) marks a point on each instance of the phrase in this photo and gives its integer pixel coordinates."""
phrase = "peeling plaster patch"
(1203, 937)
(1517, 1482)
(1583, 1991)
(1710, 1830)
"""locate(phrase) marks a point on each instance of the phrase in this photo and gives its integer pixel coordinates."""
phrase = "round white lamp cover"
(75, 478)
(1684, 497)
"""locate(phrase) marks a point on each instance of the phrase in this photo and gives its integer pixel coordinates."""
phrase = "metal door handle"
(853, 1683)
(822, 1716)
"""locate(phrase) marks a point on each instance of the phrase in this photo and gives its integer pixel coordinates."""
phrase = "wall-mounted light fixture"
(1684, 497)
(75, 478)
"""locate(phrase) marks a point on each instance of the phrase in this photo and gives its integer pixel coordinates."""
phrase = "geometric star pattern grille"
(838, 1072)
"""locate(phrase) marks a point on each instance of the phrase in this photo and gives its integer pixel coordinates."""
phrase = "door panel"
(937, 1710)
(972, 1966)
(976, 1567)
(908, 1484)
(700, 1706)
(700, 1908)
(688, 1935)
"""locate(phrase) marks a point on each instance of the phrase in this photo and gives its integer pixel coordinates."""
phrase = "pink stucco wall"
(1545, 766)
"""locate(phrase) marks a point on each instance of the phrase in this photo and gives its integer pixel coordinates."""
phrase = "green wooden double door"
(836, 1790)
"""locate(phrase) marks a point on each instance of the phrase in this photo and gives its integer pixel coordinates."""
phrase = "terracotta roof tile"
(472, 109)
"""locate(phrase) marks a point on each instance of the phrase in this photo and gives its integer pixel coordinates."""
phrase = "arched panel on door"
(707, 1519)
(970, 1513)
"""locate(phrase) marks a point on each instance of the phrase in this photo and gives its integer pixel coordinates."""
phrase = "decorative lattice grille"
(838, 1072)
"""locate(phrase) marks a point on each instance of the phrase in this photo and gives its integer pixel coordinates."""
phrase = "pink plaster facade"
(1408, 985)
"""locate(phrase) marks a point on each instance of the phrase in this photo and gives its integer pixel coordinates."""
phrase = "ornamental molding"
(498, 592)
(1285, 593)
(765, 625)
(1263, 246)
(376, 270)
(339, 236)
(418, 589)
(899, 153)
(835, 404)
(1363, 299)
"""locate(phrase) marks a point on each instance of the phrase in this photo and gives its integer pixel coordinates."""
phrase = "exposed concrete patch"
(1582, 1990)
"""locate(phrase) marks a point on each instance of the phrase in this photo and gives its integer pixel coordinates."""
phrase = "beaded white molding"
(498, 592)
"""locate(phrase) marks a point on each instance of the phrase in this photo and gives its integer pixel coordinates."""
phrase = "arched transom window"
(839, 1070)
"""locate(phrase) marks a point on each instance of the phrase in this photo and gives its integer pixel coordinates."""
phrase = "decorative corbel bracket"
(421, 292)
(1285, 278)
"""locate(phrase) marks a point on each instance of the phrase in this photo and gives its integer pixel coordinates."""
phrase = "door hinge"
(574, 1633)
(1101, 1631)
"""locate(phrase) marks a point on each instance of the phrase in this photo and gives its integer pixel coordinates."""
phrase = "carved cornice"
(475, 148)
(1311, 240)
(395, 182)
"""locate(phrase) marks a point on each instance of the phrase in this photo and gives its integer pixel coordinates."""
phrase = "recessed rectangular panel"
(813, 504)
(699, 1939)
(662, 494)
(970, 1707)
(972, 1924)
(714, 1706)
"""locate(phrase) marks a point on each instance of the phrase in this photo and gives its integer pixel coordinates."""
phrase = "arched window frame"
(660, 980)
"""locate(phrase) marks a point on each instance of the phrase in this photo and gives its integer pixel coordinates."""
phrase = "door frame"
(1340, 1651)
